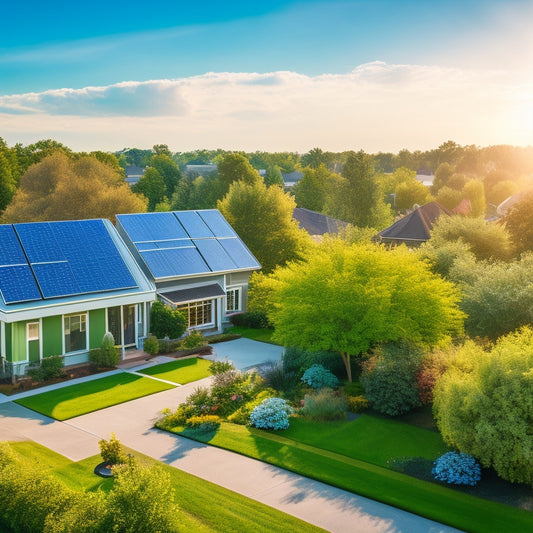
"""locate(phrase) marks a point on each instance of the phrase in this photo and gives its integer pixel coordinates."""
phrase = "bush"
(151, 345)
(203, 423)
(277, 377)
(319, 377)
(49, 368)
(354, 388)
(108, 355)
(272, 413)
(357, 404)
(457, 468)
(218, 367)
(242, 414)
(251, 319)
(389, 379)
(433, 366)
(167, 322)
(193, 340)
(298, 361)
(111, 450)
(324, 404)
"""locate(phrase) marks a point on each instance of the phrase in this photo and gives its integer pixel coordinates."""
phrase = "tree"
(161, 149)
(273, 176)
(168, 170)
(166, 322)
(310, 191)
(316, 157)
(519, 223)
(152, 186)
(349, 298)
(410, 193)
(262, 217)
(7, 181)
(448, 197)
(474, 191)
(483, 405)
(59, 188)
(235, 167)
(442, 175)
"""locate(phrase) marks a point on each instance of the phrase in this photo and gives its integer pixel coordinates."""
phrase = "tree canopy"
(519, 223)
(236, 167)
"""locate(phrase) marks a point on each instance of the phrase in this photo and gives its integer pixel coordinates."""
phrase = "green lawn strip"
(90, 396)
(426, 499)
(180, 371)
(263, 335)
(368, 438)
(204, 506)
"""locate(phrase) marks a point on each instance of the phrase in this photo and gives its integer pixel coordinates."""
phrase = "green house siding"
(8, 342)
(52, 336)
(97, 327)
(18, 341)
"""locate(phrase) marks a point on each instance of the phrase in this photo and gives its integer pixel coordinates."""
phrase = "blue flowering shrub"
(272, 413)
(318, 377)
(457, 468)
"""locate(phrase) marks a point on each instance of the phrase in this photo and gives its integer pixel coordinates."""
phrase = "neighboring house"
(414, 228)
(199, 170)
(505, 207)
(63, 285)
(196, 260)
(134, 174)
(290, 179)
(317, 224)
(425, 179)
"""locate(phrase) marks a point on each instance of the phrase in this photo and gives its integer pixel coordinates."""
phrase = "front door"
(32, 339)
(129, 325)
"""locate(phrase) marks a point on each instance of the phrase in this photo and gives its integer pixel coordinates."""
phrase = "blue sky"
(149, 62)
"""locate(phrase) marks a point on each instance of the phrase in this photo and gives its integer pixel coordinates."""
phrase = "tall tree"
(410, 193)
(310, 191)
(152, 186)
(474, 192)
(262, 216)
(8, 183)
(235, 167)
(519, 223)
(169, 171)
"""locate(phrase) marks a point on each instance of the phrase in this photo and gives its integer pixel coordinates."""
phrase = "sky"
(277, 75)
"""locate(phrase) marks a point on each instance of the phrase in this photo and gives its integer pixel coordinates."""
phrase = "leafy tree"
(410, 193)
(162, 149)
(390, 182)
(310, 191)
(483, 405)
(442, 175)
(7, 181)
(315, 158)
(59, 188)
(519, 223)
(165, 321)
(457, 181)
(501, 191)
(448, 197)
(348, 298)
(273, 176)
(262, 217)
(475, 193)
(235, 167)
(151, 186)
(168, 170)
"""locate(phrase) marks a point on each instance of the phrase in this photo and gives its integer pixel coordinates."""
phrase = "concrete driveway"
(246, 353)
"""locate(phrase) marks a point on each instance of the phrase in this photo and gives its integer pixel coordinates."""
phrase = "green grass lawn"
(204, 506)
(89, 396)
(263, 335)
(180, 371)
(426, 499)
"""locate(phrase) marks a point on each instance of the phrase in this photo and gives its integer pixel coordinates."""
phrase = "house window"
(75, 333)
(33, 331)
(198, 313)
(233, 300)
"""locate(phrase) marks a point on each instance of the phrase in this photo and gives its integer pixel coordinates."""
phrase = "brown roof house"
(414, 228)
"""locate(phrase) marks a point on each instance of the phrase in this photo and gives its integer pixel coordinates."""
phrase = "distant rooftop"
(317, 223)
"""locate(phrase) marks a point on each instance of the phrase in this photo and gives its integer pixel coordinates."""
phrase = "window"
(33, 331)
(199, 313)
(233, 300)
(75, 333)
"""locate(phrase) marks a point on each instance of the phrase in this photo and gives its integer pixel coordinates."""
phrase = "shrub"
(272, 413)
(319, 377)
(457, 468)
(49, 368)
(242, 414)
(108, 355)
(111, 450)
(151, 345)
(218, 367)
(433, 366)
(298, 361)
(357, 404)
(389, 379)
(203, 423)
(325, 404)
(354, 388)
(251, 319)
(193, 340)
(227, 378)
(165, 321)
(277, 377)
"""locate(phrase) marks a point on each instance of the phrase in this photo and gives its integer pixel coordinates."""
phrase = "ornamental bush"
(319, 377)
(111, 450)
(203, 423)
(151, 345)
(272, 413)
(49, 368)
(357, 404)
(325, 404)
(167, 322)
(108, 355)
(457, 468)
(298, 361)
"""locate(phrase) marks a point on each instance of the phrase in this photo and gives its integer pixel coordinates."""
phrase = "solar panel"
(11, 252)
(217, 223)
(179, 243)
(214, 255)
(239, 253)
(174, 262)
(152, 227)
(17, 284)
(193, 224)
(39, 242)
(56, 279)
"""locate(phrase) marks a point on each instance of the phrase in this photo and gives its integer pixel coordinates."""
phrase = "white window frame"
(237, 300)
(84, 319)
(187, 308)
(33, 338)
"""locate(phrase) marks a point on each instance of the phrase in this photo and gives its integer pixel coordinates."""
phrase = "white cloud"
(376, 106)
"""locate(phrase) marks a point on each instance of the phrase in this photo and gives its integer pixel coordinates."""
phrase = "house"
(290, 179)
(196, 261)
(63, 285)
(317, 224)
(414, 228)
(134, 174)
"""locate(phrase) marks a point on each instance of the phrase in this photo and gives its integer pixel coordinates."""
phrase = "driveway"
(246, 353)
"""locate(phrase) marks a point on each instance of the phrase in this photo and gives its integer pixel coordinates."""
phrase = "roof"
(317, 223)
(416, 226)
(133, 171)
(290, 178)
(194, 294)
(463, 208)
(180, 244)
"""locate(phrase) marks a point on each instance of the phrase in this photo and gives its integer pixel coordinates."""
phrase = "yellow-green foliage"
(357, 404)
(242, 414)
(203, 422)
(484, 405)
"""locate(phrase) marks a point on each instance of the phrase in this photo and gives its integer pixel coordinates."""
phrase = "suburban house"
(415, 227)
(317, 224)
(63, 285)
(196, 261)
(134, 174)
(290, 179)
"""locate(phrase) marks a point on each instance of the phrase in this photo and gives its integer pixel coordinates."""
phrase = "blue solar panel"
(56, 279)
(152, 227)
(11, 252)
(217, 223)
(179, 243)
(174, 262)
(17, 284)
(193, 224)
(39, 243)
(239, 253)
(214, 255)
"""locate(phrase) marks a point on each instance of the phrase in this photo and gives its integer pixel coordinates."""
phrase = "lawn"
(426, 499)
(180, 371)
(204, 506)
(263, 335)
(90, 396)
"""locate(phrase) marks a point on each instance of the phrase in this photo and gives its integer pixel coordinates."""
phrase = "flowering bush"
(324, 404)
(457, 468)
(204, 423)
(272, 413)
(319, 377)
(357, 404)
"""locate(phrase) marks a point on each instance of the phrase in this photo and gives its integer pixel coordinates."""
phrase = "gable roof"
(416, 226)
(178, 244)
(317, 223)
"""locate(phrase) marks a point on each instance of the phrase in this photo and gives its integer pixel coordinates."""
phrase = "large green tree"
(483, 405)
(169, 171)
(519, 223)
(152, 186)
(236, 167)
(262, 217)
(348, 298)
(310, 191)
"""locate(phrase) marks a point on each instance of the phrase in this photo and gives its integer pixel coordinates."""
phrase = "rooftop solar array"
(180, 243)
(43, 260)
